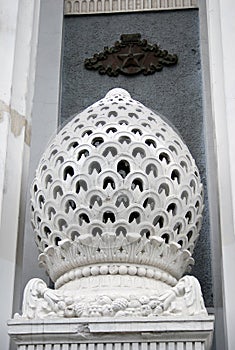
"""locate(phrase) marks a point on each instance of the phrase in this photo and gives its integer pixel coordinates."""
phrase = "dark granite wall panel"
(175, 92)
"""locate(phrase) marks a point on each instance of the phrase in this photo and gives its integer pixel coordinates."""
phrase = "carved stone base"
(71, 300)
(191, 333)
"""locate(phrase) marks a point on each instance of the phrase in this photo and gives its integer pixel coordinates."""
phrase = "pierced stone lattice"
(117, 185)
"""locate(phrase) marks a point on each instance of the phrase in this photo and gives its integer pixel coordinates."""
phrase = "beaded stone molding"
(117, 206)
(80, 7)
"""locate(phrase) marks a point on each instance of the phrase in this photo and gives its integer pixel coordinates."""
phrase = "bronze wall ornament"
(130, 56)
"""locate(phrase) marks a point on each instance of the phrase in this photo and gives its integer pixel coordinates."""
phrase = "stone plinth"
(171, 333)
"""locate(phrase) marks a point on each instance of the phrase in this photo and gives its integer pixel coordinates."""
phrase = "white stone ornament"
(184, 299)
(117, 206)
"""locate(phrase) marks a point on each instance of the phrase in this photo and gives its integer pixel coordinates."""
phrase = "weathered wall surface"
(17, 77)
(176, 92)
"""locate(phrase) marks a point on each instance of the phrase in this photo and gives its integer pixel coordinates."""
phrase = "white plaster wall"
(221, 27)
(22, 111)
(8, 18)
(44, 125)
(4, 127)
(7, 43)
(227, 10)
(17, 19)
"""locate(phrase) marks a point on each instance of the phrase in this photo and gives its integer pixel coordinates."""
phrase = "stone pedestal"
(162, 333)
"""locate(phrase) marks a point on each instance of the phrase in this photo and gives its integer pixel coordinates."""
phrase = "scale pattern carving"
(117, 184)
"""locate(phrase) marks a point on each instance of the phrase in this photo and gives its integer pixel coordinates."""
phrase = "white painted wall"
(7, 42)
(24, 60)
(227, 9)
(8, 19)
(17, 19)
(221, 30)
(45, 112)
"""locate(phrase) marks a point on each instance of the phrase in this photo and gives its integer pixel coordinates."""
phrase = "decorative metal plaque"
(131, 56)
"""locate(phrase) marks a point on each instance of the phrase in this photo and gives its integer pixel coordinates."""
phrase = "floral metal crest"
(130, 56)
